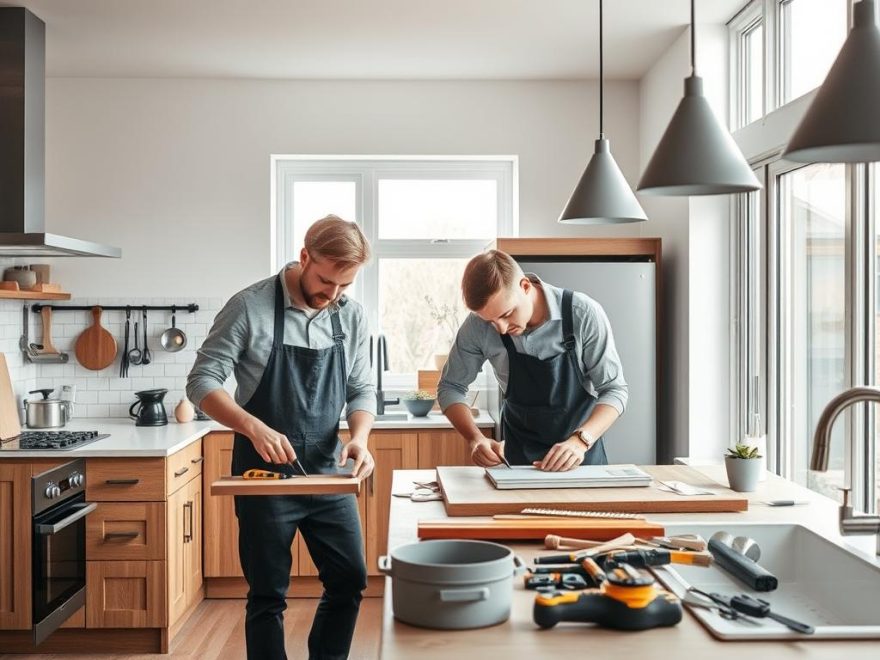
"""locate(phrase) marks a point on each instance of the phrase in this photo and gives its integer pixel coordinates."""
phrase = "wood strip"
(312, 485)
(524, 530)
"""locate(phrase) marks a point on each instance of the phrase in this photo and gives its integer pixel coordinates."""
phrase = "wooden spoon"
(48, 347)
(95, 347)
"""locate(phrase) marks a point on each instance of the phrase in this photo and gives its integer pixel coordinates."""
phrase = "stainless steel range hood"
(22, 144)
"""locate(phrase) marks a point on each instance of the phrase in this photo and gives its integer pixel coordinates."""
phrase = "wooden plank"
(10, 426)
(487, 529)
(32, 295)
(311, 485)
(468, 492)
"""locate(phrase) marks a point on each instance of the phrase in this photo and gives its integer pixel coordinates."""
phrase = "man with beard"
(299, 351)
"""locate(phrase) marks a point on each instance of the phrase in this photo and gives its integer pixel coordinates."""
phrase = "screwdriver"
(761, 608)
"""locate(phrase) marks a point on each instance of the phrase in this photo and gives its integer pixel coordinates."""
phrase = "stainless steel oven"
(59, 546)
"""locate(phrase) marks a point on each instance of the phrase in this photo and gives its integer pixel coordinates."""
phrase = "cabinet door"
(193, 549)
(15, 546)
(178, 522)
(393, 450)
(219, 522)
(125, 594)
(442, 448)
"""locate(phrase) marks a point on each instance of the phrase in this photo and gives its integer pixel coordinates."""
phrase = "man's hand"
(273, 447)
(363, 459)
(563, 456)
(486, 452)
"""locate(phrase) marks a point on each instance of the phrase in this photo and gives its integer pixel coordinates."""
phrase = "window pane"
(813, 205)
(875, 188)
(754, 87)
(312, 200)
(418, 328)
(443, 208)
(814, 31)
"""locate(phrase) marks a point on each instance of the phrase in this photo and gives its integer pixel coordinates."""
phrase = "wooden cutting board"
(95, 347)
(10, 425)
(467, 491)
(311, 485)
(488, 530)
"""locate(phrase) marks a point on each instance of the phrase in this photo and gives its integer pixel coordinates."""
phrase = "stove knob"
(50, 491)
(56, 491)
(80, 480)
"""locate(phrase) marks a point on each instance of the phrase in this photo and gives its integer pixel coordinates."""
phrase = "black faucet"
(381, 366)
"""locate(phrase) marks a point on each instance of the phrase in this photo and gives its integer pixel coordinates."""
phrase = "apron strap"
(338, 334)
(508, 344)
(278, 338)
(567, 321)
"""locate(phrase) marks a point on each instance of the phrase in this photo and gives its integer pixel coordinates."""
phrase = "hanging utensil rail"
(190, 307)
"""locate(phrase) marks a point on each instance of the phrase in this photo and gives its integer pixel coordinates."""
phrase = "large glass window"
(812, 32)
(424, 218)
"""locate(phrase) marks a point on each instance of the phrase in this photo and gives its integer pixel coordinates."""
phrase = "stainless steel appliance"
(46, 413)
(59, 546)
(51, 440)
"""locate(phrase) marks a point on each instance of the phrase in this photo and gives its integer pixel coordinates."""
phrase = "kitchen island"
(519, 637)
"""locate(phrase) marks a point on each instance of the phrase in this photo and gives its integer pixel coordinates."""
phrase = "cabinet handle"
(372, 482)
(113, 536)
(187, 537)
(122, 482)
(181, 471)
(198, 460)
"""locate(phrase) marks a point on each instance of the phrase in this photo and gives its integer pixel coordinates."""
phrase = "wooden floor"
(215, 631)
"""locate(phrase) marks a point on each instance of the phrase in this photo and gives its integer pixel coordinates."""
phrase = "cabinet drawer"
(183, 466)
(125, 479)
(125, 594)
(126, 531)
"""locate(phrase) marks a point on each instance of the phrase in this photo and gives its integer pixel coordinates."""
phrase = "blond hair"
(339, 241)
(487, 274)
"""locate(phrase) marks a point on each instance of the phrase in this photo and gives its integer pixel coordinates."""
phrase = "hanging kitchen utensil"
(147, 356)
(95, 347)
(123, 362)
(134, 355)
(31, 351)
(48, 347)
(173, 339)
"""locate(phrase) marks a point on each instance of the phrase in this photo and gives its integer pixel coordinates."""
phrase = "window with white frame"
(424, 217)
(747, 63)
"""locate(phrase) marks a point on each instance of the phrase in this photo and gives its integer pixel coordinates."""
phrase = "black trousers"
(331, 528)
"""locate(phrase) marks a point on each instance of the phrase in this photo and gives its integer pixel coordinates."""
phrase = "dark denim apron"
(301, 394)
(546, 400)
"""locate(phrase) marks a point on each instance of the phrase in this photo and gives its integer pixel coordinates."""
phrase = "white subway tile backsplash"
(98, 410)
(108, 396)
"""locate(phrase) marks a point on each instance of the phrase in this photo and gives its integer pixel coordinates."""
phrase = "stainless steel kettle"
(46, 413)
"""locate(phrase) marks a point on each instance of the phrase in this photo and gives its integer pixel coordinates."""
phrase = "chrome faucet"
(381, 367)
(849, 523)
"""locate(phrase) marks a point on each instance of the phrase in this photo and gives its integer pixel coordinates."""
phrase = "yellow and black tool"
(625, 600)
(656, 557)
(254, 473)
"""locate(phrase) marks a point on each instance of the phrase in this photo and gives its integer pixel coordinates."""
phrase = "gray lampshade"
(842, 124)
(696, 155)
(602, 196)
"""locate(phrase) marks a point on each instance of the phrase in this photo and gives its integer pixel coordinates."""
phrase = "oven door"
(59, 564)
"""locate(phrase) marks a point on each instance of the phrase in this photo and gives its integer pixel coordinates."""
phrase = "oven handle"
(82, 510)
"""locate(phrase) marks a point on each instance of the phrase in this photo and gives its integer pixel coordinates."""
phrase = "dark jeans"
(331, 528)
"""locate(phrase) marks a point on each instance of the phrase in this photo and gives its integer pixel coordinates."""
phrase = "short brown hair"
(487, 274)
(339, 241)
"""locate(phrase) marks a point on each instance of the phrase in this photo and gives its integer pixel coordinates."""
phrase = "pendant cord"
(601, 77)
(693, 41)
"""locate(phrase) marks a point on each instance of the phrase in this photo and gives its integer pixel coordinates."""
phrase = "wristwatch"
(586, 437)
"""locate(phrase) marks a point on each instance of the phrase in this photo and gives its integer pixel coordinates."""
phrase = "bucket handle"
(464, 595)
(384, 563)
(519, 566)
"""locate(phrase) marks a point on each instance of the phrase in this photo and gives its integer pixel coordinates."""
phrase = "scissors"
(428, 491)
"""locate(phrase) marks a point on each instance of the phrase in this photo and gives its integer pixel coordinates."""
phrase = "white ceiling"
(362, 39)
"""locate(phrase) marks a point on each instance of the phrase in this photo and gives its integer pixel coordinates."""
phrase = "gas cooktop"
(52, 440)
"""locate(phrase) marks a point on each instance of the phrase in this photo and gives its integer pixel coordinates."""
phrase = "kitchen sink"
(392, 417)
(821, 583)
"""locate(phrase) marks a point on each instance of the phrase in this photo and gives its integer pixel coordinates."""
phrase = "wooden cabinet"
(15, 546)
(126, 531)
(125, 480)
(442, 447)
(183, 466)
(125, 594)
(184, 557)
(221, 546)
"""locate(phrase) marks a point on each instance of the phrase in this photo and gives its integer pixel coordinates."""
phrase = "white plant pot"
(743, 474)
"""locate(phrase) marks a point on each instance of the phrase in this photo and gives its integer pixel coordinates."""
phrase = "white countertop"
(126, 439)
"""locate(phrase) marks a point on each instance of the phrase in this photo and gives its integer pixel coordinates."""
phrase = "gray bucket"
(451, 585)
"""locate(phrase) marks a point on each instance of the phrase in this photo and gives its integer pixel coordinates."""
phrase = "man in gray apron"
(553, 353)
(299, 349)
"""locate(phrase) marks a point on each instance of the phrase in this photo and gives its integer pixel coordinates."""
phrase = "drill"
(625, 600)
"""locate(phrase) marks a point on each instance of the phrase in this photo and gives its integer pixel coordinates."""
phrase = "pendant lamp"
(602, 196)
(696, 155)
(842, 124)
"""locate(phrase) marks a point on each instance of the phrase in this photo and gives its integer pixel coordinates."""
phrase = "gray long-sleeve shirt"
(241, 340)
(477, 341)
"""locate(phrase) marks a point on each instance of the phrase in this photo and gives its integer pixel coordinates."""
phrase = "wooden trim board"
(311, 485)
(467, 491)
(537, 529)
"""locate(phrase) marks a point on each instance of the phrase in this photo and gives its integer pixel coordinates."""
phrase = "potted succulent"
(419, 403)
(744, 465)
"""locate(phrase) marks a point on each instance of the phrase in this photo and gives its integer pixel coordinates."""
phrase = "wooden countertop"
(520, 638)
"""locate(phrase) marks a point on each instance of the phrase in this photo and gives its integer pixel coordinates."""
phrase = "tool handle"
(797, 626)
(744, 569)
